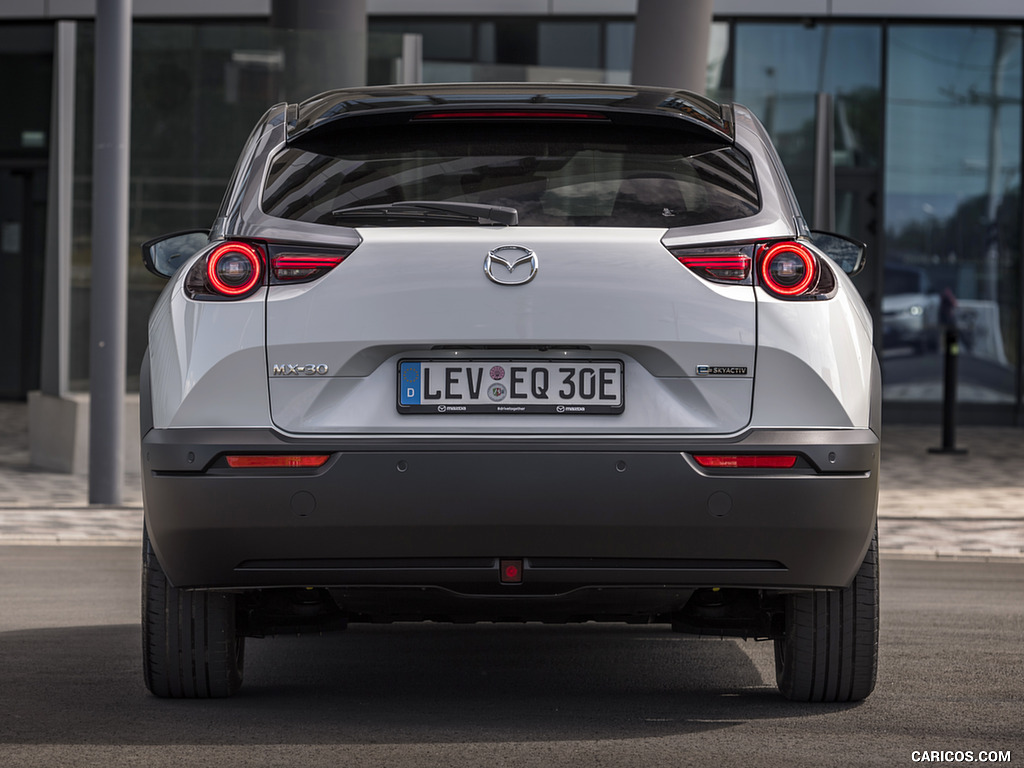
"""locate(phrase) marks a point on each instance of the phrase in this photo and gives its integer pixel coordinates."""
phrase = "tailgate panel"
(333, 346)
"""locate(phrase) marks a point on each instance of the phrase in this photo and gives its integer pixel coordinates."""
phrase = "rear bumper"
(580, 515)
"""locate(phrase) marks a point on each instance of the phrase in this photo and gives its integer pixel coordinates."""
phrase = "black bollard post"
(951, 360)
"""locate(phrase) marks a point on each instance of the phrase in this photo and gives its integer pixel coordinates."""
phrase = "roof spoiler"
(390, 105)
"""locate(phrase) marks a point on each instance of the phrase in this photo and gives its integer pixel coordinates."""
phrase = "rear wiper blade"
(433, 210)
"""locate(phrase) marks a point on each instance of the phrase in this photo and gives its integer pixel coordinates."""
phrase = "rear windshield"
(553, 174)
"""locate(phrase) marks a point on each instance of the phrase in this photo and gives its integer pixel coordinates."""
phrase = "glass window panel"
(779, 68)
(718, 62)
(515, 41)
(26, 70)
(554, 174)
(575, 44)
(442, 40)
(619, 46)
(486, 41)
(383, 50)
(952, 209)
(197, 90)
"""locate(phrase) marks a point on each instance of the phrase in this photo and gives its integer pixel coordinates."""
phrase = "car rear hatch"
(448, 318)
(599, 299)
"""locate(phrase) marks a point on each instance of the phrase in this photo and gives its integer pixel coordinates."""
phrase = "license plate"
(510, 386)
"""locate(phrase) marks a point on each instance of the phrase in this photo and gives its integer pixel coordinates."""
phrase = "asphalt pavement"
(403, 695)
(931, 506)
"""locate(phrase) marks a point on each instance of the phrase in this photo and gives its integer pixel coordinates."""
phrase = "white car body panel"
(209, 361)
(614, 292)
(810, 370)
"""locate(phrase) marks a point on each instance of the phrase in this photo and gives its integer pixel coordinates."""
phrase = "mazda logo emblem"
(510, 265)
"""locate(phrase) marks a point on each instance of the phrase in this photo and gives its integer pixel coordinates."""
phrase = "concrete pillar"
(324, 44)
(58, 420)
(108, 311)
(58, 441)
(57, 297)
(670, 46)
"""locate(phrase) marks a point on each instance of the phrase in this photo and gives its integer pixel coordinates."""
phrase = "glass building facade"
(928, 172)
(953, 206)
(927, 152)
(197, 89)
(26, 56)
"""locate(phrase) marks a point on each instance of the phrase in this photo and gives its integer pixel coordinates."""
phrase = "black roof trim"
(698, 112)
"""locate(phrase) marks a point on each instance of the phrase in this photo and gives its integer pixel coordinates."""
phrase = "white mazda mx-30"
(510, 352)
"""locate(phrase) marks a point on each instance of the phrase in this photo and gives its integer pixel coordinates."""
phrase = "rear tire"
(830, 648)
(191, 648)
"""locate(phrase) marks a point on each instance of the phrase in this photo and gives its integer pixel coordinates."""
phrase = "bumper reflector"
(752, 461)
(239, 462)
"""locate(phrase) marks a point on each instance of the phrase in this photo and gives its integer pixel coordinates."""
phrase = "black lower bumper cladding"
(577, 514)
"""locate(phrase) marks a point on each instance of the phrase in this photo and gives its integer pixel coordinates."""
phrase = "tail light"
(300, 264)
(729, 264)
(787, 270)
(509, 114)
(791, 270)
(236, 269)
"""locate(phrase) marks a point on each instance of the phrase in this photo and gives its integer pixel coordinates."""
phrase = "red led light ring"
(810, 269)
(251, 254)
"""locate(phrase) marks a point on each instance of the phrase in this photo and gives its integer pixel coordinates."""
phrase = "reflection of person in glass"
(947, 308)
(959, 324)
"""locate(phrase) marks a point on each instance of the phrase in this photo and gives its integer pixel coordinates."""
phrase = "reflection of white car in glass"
(981, 330)
(910, 310)
(510, 353)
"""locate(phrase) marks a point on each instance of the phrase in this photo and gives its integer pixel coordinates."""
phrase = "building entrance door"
(22, 254)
